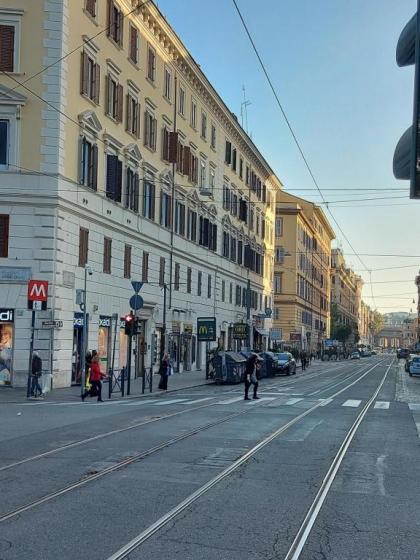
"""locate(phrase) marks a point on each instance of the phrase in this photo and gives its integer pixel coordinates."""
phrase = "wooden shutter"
(118, 187)
(129, 115)
(136, 193)
(133, 44)
(7, 48)
(4, 236)
(145, 267)
(120, 103)
(127, 261)
(107, 255)
(83, 246)
(94, 167)
(173, 147)
(91, 7)
(97, 83)
(187, 161)
(111, 176)
(107, 96)
(84, 73)
(120, 28)
(162, 271)
(137, 120)
(228, 152)
(111, 23)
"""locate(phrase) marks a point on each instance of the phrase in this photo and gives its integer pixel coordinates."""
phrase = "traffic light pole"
(163, 334)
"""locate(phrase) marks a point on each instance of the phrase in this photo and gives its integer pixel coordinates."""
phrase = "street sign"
(239, 331)
(206, 329)
(137, 286)
(276, 334)
(52, 324)
(37, 294)
(136, 302)
(268, 312)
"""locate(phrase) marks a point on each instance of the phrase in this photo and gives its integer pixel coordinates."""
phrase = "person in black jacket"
(164, 372)
(36, 372)
(251, 376)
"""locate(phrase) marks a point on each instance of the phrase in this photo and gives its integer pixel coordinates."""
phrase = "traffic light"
(406, 164)
(129, 324)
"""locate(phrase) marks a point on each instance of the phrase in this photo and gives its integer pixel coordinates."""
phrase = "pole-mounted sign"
(206, 329)
(37, 295)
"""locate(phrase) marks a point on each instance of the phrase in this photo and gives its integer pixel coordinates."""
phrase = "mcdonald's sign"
(206, 329)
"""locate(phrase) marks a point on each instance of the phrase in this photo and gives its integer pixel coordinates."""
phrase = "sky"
(332, 63)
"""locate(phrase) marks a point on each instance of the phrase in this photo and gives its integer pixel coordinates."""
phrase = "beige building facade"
(123, 157)
(301, 272)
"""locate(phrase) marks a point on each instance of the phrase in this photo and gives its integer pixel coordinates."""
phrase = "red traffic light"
(128, 318)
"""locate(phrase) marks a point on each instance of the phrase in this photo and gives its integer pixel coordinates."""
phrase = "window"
(226, 197)
(113, 177)
(212, 179)
(247, 175)
(165, 209)
(278, 281)
(199, 282)
(145, 267)
(8, 48)
(240, 251)
(231, 293)
(276, 313)
(193, 174)
(115, 23)
(233, 249)
(133, 116)
(241, 168)
(132, 191)
(189, 280)
(4, 236)
(151, 63)
(181, 104)
(180, 218)
(90, 7)
(127, 261)
(279, 227)
(115, 97)
(238, 293)
(251, 219)
(209, 286)
(234, 204)
(149, 200)
(167, 83)
(223, 290)
(88, 163)
(177, 274)
(161, 271)
(213, 136)
(202, 174)
(257, 224)
(4, 142)
(193, 113)
(280, 255)
(134, 44)
(234, 158)
(263, 228)
(228, 152)
(107, 255)
(150, 131)
(91, 78)
(83, 246)
(226, 244)
(192, 225)
(203, 125)
(243, 210)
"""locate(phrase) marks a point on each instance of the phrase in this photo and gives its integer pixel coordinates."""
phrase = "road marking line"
(414, 406)
(351, 402)
(325, 401)
(173, 401)
(199, 400)
(293, 401)
(382, 404)
(230, 401)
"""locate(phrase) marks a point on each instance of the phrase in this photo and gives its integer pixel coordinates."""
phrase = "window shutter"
(129, 115)
(97, 83)
(120, 28)
(120, 103)
(110, 18)
(81, 159)
(91, 7)
(173, 147)
(137, 120)
(84, 74)
(187, 161)
(118, 186)
(133, 44)
(107, 96)
(94, 167)
(228, 152)
(136, 193)
(146, 128)
(7, 48)
(4, 236)
(154, 130)
(111, 176)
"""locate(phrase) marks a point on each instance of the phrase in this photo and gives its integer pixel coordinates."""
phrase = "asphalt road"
(201, 474)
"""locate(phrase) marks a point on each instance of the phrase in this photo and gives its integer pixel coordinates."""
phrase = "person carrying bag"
(164, 372)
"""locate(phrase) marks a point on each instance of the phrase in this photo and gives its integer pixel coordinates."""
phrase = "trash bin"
(229, 367)
(269, 364)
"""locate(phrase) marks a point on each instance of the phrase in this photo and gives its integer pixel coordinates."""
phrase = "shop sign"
(276, 334)
(105, 321)
(188, 330)
(239, 331)
(78, 321)
(7, 315)
(176, 327)
(15, 274)
(295, 337)
(206, 329)
(37, 294)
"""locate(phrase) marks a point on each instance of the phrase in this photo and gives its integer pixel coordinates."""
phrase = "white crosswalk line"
(351, 402)
(414, 406)
(137, 403)
(325, 402)
(230, 401)
(382, 404)
(198, 400)
(293, 401)
(173, 401)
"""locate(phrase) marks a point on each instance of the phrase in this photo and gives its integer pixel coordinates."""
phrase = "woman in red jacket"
(95, 380)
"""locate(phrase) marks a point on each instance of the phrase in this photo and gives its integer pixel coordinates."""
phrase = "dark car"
(286, 363)
(403, 353)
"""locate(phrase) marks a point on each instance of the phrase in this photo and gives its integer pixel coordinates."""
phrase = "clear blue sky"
(333, 65)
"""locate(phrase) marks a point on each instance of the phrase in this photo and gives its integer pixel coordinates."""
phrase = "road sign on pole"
(37, 294)
(136, 302)
(137, 286)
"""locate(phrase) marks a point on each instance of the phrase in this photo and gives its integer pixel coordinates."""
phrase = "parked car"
(355, 356)
(286, 363)
(408, 362)
(414, 368)
(373, 353)
(403, 353)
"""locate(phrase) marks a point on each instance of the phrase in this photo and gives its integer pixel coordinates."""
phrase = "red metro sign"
(37, 294)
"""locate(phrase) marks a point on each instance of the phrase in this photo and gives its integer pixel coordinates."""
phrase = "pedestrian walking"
(164, 372)
(303, 359)
(251, 377)
(36, 372)
(95, 379)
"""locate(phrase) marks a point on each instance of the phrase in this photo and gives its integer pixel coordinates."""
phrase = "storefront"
(104, 342)
(6, 346)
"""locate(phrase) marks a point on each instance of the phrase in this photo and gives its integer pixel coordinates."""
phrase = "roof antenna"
(244, 111)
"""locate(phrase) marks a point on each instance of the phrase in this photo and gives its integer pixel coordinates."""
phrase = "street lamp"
(88, 270)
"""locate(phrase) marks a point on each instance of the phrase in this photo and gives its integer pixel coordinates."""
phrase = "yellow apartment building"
(301, 285)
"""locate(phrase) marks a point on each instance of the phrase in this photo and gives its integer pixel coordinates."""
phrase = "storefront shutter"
(7, 48)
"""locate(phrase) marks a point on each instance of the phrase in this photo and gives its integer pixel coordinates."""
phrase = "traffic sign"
(206, 328)
(136, 302)
(137, 286)
(37, 294)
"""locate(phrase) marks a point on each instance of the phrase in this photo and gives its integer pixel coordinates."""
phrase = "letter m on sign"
(37, 291)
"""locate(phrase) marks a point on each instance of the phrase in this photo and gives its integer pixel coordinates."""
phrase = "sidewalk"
(176, 382)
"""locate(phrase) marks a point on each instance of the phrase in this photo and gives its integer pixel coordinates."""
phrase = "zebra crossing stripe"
(293, 401)
(351, 402)
(382, 404)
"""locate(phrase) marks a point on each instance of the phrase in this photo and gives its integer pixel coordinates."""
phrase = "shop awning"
(263, 332)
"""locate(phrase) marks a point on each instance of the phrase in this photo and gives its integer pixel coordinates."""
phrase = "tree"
(377, 322)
